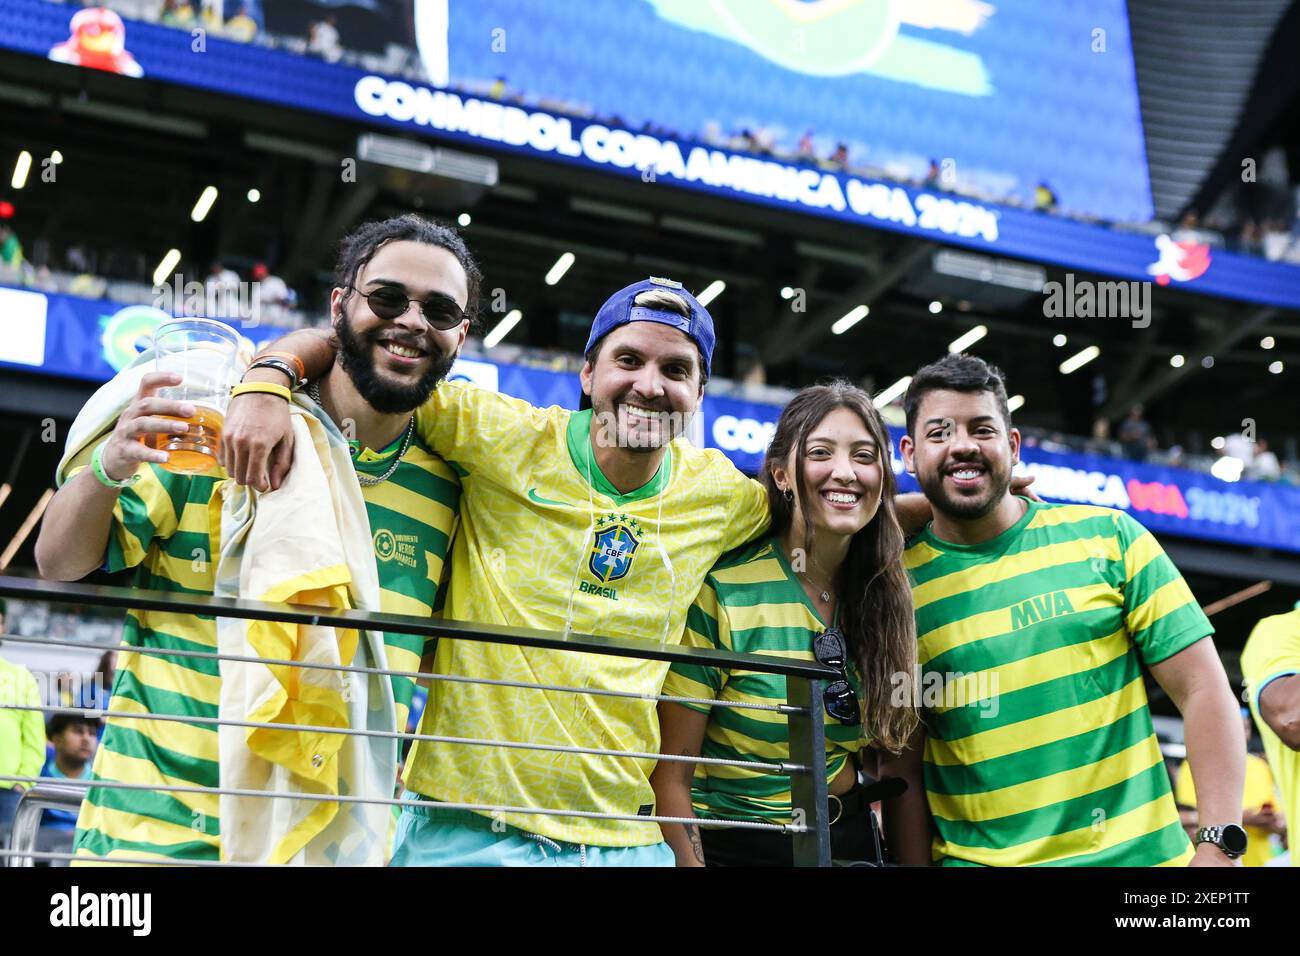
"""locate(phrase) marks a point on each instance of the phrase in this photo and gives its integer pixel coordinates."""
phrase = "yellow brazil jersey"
(545, 538)
(1258, 791)
(1273, 652)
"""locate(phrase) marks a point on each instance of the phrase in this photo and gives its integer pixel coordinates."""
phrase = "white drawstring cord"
(668, 564)
(543, 842)
(591, 530)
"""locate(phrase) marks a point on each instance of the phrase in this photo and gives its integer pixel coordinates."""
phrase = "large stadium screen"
(1004, 95)
(944, 119)
(990, 99)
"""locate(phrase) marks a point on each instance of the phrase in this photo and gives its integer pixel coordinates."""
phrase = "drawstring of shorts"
(544, 842)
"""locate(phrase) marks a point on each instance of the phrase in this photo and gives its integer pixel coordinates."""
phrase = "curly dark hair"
(359, 247)
(955, 373)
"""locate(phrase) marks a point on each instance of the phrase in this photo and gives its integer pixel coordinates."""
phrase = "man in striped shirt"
(164, 525)
(1034, 621)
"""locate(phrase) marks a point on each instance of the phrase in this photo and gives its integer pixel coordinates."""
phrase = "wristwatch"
(1229, 838)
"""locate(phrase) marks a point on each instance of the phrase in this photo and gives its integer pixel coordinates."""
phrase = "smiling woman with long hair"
(826, 583)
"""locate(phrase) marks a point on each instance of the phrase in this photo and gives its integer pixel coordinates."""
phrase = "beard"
(961, 506)
(356, 357)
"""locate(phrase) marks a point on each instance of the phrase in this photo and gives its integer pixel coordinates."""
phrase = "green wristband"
(97, 466)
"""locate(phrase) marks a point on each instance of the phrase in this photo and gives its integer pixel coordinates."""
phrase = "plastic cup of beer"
(206, 355)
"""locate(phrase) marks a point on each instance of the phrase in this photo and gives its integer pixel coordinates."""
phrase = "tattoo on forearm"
(692, 830)
(693, 834)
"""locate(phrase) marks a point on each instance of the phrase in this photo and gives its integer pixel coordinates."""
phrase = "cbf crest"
(617, 538)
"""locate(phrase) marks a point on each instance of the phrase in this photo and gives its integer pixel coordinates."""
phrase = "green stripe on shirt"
(740, 734)
(1004, 607)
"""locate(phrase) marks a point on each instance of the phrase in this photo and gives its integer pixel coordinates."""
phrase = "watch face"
(1234, 838)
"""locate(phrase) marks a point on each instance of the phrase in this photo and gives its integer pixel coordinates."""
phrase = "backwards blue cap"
(620, 309)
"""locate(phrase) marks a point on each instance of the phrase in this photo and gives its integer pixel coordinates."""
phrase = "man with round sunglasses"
(126, 511)
(389, 302)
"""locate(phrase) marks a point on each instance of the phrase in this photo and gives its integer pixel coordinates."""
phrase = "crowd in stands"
(1272, 237)
(243, 21)
(122, 277)
(1232, 457)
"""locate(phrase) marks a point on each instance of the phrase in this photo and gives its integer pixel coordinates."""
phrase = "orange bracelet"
(288, 357)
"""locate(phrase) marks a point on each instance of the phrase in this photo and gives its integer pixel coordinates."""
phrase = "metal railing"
(805, 682)
(42, 796)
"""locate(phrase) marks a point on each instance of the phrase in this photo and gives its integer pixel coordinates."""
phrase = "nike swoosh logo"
(534, 496)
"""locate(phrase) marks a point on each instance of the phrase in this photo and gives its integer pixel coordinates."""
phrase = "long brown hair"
(876, 612)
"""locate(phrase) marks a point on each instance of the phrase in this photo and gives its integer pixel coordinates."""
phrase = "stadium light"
(503, 327)
(891, 393)
(1059, 339)
(1079, 360)
(787, 292)
(255, 195)
(463, 220)
(1267, 342)
(165, 267)
(850, 319)
(1276, 367)
(1228, 468)
(21, 169)
(963, 342)
(204, 204)
(1015, 403)
(1176, 361)
(936, 307)
(560, 268)
(711, 292)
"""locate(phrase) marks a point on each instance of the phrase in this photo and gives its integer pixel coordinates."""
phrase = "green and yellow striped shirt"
(752, 603)
(164, 527)
(1040, 745)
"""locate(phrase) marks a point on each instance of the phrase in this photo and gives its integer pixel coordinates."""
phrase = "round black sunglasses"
(440, 311)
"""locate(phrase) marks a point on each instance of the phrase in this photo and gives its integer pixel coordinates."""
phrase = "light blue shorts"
(429, 836)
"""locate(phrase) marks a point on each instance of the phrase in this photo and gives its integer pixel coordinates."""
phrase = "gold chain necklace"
(366, 481)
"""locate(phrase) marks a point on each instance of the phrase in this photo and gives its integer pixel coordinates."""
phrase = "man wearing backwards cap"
(596, 521)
